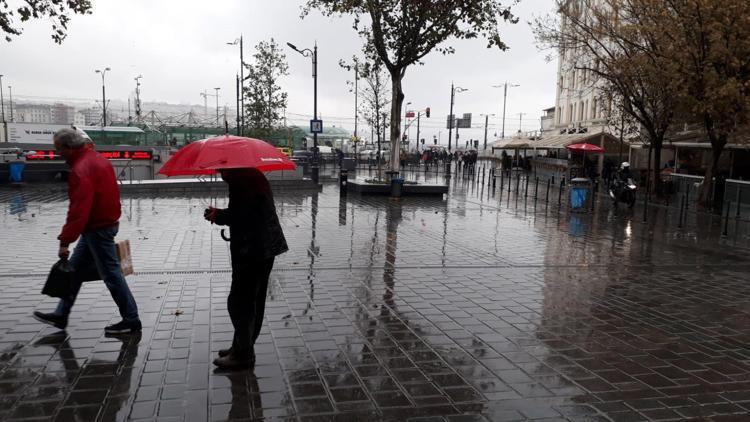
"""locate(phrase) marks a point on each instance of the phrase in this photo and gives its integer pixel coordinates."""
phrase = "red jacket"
(94, 195)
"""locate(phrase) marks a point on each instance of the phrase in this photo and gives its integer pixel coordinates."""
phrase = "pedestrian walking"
(93, 220)
(256, 238)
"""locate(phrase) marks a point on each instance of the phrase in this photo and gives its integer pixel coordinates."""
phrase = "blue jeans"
(97, 248)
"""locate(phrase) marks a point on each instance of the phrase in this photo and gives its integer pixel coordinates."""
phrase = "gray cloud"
(180, 49)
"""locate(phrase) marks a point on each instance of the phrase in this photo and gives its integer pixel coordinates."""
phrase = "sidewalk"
(478, 308)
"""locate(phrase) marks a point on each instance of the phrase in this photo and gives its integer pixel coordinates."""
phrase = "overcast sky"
(180, 49)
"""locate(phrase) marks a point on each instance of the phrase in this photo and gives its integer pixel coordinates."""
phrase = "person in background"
(93, 220)
(256, 238)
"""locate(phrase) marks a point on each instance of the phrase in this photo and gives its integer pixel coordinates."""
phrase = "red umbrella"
(585, 148)
(226, 152)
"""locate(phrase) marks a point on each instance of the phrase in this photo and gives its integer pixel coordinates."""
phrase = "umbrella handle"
(223, 236)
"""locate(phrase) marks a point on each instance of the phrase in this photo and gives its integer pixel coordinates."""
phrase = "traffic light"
(427, 112)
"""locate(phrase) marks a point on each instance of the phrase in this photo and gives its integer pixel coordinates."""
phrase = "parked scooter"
(623, 188)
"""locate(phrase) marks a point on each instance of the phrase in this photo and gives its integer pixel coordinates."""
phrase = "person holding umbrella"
(256, 236)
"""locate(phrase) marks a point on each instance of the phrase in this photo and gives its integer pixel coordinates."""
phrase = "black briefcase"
(62, 275)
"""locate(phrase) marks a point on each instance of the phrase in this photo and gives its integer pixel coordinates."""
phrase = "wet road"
(478, 307)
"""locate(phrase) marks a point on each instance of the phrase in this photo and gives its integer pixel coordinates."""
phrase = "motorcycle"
(623, 192)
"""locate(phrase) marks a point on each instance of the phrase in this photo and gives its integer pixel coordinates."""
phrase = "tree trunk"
(657, 167)
(704, 197)
(397, 98)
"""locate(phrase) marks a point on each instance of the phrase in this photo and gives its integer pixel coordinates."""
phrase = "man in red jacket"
(93, 215)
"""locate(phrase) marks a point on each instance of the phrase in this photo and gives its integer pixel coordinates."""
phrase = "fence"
(737, 199)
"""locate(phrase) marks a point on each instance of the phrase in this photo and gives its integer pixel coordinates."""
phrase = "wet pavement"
(484, 306)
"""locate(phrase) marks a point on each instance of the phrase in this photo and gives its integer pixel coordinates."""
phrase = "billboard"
(32, 133)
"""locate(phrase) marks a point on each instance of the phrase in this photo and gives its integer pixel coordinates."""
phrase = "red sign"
(43, 155)
(410, 114)
(112, 155)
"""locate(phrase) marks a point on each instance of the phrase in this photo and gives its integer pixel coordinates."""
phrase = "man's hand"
(63, 252)
(210, 214)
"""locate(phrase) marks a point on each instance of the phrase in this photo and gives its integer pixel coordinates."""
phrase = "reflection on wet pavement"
(484, 306)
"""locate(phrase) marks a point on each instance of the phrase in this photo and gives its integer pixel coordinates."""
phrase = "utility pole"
(217, 106)
(505, 99)
(205, 94)
(418, 116)
(240, 88)
(486, 120)
(356, 98)
(451, 119)
(2, 109)
(520, 119)
(138, 98)
(239, 128)
(2, 101)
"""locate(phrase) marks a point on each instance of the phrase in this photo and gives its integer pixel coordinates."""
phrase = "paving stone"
(475, 307)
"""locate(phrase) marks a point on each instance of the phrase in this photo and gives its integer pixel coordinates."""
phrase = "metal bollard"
(526, 190)
(739, 202)
(682, 207)
(518, 182)
(536, 188)
(559, 193)
(546, 196)
(726, 221)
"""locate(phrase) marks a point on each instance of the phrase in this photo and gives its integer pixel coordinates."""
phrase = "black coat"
(254, 227)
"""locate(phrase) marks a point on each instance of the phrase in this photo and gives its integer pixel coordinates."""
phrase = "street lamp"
(2, 102)
(10, 93)
(104, 95)
(454, 89)
(314, 55)
(241, 93)
(406, 127)
(486, 120)
(505, 98)
(217, 106)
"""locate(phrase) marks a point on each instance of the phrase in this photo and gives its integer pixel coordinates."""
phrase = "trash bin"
(343, 179)
(580, 194)
(16, 169)
(397, 185)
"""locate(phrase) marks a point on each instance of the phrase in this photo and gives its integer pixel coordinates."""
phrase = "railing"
(128, 166)
(737, 199)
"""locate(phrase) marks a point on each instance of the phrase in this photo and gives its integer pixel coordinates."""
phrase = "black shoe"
(124, 327)
(225, 352)
(54, 320)
(235, 362)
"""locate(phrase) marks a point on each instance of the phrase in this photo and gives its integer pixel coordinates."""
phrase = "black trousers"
(247, 301)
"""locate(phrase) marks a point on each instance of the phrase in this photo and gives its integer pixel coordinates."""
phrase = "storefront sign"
(32, 133)
(47, 155)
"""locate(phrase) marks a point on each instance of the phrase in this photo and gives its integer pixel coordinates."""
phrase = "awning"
(550, 142)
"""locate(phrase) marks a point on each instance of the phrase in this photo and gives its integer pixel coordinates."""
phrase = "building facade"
(33, 113)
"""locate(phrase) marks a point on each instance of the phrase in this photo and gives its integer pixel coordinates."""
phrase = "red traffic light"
(427, 112)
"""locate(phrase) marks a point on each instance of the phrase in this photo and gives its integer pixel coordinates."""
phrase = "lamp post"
(217, 106)
(452, 121)
(2, 109)
(314, 55)
(104, 95)
(241, 90)
(406, 127)
(486, 121)
(505, 98)
(10, 93)
(2, 101)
